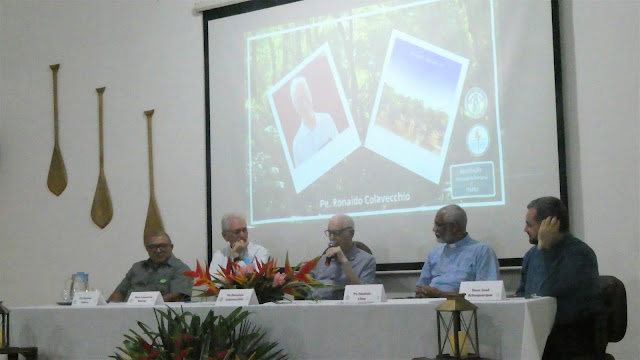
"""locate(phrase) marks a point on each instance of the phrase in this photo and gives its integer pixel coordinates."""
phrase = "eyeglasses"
(238, 231)
(441, 224)
(153, 247)
(336, 232)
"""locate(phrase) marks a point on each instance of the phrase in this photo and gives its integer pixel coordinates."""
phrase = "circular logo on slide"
(478, 140)
(475, 103)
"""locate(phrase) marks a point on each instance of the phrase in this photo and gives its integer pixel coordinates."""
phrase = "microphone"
(327, 260)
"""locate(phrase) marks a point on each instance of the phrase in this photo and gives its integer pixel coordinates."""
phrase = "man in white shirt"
(239, 249)
(316, 129)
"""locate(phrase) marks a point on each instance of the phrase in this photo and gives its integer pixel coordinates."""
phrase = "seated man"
(161, 272)
(342, 264)
(458, 259)
(239, 250)
(566, 268)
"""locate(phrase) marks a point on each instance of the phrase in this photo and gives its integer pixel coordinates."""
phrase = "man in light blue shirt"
(459, 258)
(342, 263)
(316, 129)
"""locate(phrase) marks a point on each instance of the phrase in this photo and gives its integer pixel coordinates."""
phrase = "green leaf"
(202, 339)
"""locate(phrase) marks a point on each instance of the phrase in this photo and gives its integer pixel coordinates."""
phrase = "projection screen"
(384, 110)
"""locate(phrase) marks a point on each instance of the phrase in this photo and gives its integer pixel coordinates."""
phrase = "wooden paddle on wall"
(101, 210)
(57, 178)
(154, 221)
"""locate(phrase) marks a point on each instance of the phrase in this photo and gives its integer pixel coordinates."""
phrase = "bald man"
(161, 272)
(459, 258)
(348, 265)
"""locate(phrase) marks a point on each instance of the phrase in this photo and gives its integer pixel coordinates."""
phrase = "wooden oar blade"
(102, 209)
(154, 220)
(57, 178)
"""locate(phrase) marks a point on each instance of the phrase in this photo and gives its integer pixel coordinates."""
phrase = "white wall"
(1, 78)
(148, 54)
(601, 62)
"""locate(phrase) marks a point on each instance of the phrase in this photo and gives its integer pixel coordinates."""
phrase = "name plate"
(364, 294)
(148, 298)
(237, 297)
(88, 298)
(483, 290)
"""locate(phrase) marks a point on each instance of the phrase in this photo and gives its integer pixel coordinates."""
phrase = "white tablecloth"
(398, 329)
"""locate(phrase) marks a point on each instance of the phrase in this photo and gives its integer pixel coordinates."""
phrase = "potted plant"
(184, 336)
(268, 281)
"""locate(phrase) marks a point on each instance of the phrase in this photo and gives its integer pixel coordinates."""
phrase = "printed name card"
(364, 294)
(236, 297)
(483, 290)
(88, 298)
(148, 298)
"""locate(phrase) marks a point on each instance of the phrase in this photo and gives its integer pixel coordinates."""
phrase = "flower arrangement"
(183, 336)
(268, 281)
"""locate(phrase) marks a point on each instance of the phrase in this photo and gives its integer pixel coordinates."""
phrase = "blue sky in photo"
(422, 74)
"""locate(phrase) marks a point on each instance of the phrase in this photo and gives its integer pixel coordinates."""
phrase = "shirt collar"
(557, 248)
(171, 261)
(462, 242)
(351, 255)
(304, 130)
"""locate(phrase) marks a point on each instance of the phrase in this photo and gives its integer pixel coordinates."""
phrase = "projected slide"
(386, 108)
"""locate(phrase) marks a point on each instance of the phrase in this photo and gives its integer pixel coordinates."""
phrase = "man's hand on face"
(549, 234)
(239, 247)
(337, 254)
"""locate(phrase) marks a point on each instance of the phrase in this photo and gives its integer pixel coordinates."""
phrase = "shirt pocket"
(163, 285)
(466, 272)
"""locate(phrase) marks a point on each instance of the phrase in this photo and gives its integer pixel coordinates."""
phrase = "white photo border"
(397, 149)
(336, 150)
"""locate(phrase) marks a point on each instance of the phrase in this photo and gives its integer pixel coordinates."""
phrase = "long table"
(398, 329)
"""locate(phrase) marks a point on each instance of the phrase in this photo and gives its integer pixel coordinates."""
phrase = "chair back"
(614, 297)
(362, 246)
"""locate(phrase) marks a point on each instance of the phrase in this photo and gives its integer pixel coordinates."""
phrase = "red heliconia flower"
(227, 271)
(146, 345)
(202, 276)
(305, 269)
(267, 269)
(190, 273)
(261, 267)
(287, 266)
(181, 355)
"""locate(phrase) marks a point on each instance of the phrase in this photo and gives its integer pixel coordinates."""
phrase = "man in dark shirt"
(566, 268)
(161, 272)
